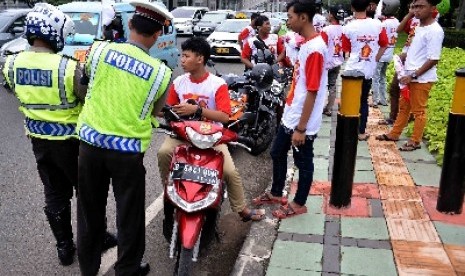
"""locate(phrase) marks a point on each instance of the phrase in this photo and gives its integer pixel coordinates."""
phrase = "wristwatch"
(198, 112)
(301, 131)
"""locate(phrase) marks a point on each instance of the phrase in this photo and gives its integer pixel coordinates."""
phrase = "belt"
(49, 128)
(93, 137)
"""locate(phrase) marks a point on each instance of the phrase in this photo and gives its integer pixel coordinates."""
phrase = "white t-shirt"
(247, 33)
(319, 22)
(250, 49)
(335, 56)
(292, 42)
(426, 45)
(363, 38)
(390, 24)
(309, 75)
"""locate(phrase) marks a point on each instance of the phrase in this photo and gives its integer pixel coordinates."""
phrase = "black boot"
(61, 227)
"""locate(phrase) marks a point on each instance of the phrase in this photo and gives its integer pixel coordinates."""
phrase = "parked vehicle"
(88, 25)
(223, 41)
(195, 189)
(12, 24)
(210, 20)
(186, 17)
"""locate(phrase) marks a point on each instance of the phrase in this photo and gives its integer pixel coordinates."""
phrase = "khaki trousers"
(230, 174)
(419, 93)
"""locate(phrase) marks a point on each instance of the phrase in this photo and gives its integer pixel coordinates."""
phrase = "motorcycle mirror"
(210, 63)
(259, 45)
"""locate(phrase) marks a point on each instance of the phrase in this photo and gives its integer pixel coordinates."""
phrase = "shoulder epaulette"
(9, 53)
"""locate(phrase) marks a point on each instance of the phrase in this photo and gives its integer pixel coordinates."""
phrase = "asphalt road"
(27, 246)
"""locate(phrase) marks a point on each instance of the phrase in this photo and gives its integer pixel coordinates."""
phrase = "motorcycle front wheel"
(184, 261)
(266, 133)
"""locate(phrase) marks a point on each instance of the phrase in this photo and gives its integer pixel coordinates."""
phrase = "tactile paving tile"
(419, 258)
(396, 168)
(399, 193)
(412, 230)
(400, 209)
(457, 257)
(390, 179)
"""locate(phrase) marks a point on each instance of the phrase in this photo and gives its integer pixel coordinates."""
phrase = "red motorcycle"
(195, 189)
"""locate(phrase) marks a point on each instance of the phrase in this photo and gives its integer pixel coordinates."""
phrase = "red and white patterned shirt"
(310, 76)
(272, 41)
(209, 92)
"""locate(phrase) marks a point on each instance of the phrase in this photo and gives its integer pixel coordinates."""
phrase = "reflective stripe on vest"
(95, 59)
(48, 128)
(11, 72)
(153, 91)
(112, 142)
(61, 88)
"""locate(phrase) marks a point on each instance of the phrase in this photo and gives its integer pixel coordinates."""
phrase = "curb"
(257, 248)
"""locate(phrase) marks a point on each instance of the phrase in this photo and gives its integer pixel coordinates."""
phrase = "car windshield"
(182, 13)
(85, 22)
(213, 17)
(232, 26)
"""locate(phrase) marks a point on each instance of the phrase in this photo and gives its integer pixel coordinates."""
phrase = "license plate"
(222, 50)
(80, 55)
(183, 171)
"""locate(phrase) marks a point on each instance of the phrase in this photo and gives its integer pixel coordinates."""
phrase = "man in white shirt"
(390, 24)
(420, 64)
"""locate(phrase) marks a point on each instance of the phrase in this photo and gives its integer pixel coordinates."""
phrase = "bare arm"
(380, 53)
(420, 71)
(80, 83)
(298, 137)
(404, 21)
(186, 109)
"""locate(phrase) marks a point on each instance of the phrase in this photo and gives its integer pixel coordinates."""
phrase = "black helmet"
(337, 12)
(262, 74)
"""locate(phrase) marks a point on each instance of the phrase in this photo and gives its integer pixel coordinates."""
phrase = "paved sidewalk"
(391, 228)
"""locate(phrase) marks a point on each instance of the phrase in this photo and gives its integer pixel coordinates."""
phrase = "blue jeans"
(366, 85)
(379, 83)
(303, 159)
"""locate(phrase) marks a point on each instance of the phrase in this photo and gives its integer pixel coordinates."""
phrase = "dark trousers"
(127, 172)
(57, 163)
(366, 85)
(303, 159)
(394, 95)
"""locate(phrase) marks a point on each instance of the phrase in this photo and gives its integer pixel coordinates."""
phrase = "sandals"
(384, 137)
(286, 211)
(410, 146)
(253, 215)
(268, 198)
(363, 137)
(327, 113)
(386, 122)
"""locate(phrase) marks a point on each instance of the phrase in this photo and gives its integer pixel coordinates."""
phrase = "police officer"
(126, 88)
(44, 84)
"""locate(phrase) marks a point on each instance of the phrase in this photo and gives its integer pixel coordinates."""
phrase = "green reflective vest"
(43, 83)
(124, 84)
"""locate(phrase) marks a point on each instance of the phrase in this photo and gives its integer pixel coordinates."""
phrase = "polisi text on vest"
(129, 64)
(35, 77)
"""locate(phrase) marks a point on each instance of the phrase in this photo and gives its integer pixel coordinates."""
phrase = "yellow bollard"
(350, 95)
(458, 101)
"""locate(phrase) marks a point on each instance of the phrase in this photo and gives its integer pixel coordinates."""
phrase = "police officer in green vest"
(45, 85)
(126, 90)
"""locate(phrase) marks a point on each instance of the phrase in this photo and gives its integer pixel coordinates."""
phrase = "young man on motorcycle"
(271, 41)
(213, 104)
(302, 113)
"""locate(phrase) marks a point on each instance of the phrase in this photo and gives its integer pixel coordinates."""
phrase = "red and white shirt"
(272, 41)
(292, 42)
(334, 37)
(363, 38)
(310, 76)
(209, 92)
(390, 24)
(410, 31)
(319, 22)
(247, 33)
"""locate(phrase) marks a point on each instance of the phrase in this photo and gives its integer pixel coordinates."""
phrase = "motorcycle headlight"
(276, 88)
(202, 141)
(196, 28)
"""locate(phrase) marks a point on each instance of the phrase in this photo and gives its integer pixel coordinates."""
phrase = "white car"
(186, 17)
(223, 41)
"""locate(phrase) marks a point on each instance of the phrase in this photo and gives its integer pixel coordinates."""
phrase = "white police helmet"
(48, 23)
